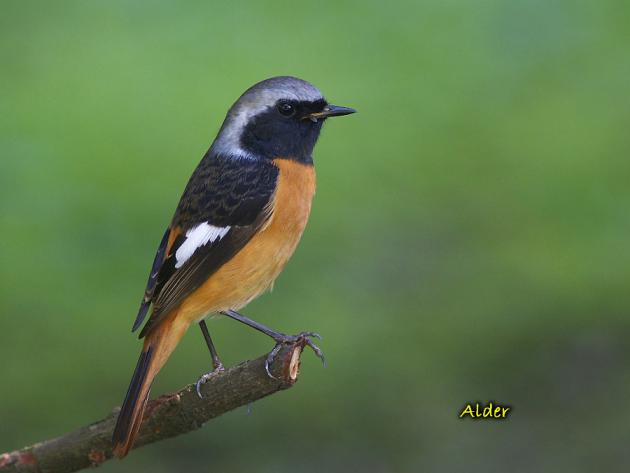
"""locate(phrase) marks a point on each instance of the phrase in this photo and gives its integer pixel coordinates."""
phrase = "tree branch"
(167, 416)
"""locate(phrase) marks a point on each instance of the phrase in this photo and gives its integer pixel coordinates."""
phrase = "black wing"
(229, 194)
(151, 283)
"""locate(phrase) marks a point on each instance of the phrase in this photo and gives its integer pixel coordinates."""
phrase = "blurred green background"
(468, 242)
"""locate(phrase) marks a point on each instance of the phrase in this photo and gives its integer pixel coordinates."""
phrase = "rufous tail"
(158, 346)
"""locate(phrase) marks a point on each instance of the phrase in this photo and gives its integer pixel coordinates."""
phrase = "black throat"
(272, 135)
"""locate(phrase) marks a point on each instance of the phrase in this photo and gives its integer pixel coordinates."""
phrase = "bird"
(238, 222)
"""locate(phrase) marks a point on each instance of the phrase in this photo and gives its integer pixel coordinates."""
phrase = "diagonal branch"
(167, 416)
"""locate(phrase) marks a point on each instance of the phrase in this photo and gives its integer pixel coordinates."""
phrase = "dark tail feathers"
(130, 415)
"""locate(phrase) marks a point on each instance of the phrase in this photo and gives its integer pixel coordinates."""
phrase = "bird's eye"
(286, 109)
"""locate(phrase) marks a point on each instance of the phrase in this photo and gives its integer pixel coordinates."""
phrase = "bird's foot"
(204, 378)
(303, 337)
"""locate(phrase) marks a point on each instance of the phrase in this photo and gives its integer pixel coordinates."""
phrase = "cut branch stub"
(167, 416)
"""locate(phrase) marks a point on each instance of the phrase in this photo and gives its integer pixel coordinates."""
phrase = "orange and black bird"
(237, 224)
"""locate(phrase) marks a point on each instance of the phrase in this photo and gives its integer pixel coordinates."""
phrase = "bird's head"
(278, 117)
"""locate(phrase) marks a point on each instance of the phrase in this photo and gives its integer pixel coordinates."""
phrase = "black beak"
(332, 111)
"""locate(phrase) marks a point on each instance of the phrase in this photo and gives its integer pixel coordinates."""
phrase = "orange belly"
(253, 269)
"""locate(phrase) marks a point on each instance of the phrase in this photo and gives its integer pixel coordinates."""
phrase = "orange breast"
(252, 270)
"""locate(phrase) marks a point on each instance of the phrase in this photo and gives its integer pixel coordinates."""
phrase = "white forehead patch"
(255, 100)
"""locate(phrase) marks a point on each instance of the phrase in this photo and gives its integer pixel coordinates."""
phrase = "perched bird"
(237, 224)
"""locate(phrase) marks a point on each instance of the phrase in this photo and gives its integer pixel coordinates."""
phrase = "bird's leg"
(216, 362)
(279, 337)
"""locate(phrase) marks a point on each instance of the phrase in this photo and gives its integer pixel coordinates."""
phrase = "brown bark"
(167, 416)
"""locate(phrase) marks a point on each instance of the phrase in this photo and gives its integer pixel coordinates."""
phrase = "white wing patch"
(196, 238)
